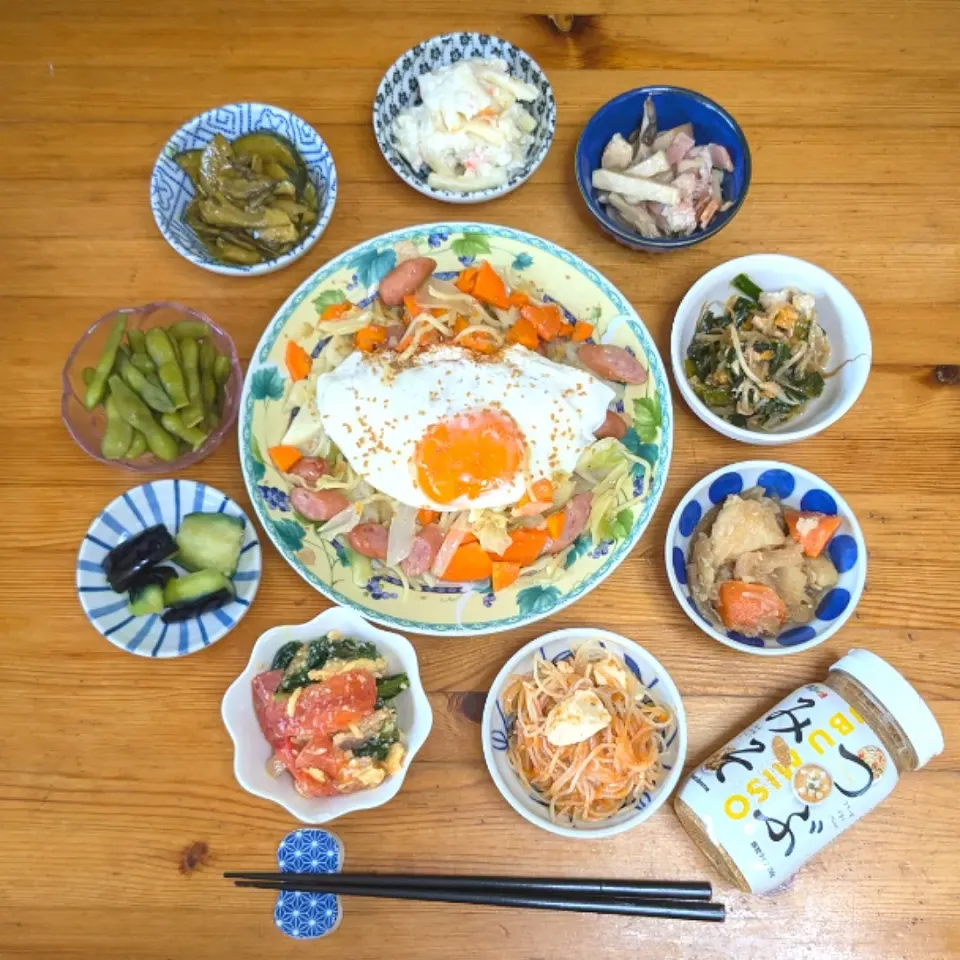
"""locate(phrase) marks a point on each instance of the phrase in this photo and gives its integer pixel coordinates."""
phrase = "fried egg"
(452, 430)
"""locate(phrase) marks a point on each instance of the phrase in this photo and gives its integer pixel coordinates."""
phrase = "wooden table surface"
(113, 766)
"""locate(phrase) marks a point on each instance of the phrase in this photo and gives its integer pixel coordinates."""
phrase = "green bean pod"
(173, 422)
(118, 434)
(98, 384)
(138, 415)
(137, 340)
(152, 395)
(193, 413)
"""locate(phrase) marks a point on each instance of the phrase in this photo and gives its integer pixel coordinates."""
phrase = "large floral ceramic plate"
(459, 609)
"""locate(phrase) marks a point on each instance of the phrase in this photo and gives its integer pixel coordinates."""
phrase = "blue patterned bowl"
(797, 489)
(675, 105)
(494, 730)
(166, 502)
(398, 90)
(171, 189)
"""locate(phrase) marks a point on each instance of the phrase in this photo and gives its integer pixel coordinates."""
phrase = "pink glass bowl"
(87, 427)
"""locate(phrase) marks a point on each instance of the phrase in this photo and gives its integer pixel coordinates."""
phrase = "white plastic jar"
(773, 797)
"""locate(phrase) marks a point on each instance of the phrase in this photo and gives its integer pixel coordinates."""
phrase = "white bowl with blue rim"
(495, 731)
(251, 751)
(399, 90)
(171, 188)
(797, 489)
(838, 312)
(161, 502)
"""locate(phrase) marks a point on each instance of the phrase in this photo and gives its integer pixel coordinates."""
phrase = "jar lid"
(899, 698)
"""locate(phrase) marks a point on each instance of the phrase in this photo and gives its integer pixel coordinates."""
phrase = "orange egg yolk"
(468, 455)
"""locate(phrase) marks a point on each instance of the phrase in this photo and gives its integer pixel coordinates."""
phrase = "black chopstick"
(669, 909)
(640, 889)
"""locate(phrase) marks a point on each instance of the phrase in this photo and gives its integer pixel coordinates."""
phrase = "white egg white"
(376, 414)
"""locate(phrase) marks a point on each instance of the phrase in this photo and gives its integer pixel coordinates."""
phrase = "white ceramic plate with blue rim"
(166, 502)
(399, 90)
(171, 189)
(795, 488)
(495, 730)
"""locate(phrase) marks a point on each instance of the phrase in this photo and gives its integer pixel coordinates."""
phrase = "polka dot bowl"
(795, 488)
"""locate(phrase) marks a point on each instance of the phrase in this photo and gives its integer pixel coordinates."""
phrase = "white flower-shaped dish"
(839, 314)
(251, 750)
(799, 490)
(560, 645)
(171, 189)
(399, 90)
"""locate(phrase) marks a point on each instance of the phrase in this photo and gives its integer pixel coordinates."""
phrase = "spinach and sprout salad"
(326, 707)
(759, 358)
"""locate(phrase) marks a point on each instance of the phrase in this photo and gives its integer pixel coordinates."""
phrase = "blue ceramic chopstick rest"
(308, 915)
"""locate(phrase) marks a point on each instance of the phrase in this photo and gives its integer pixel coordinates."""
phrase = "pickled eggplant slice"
(218, 211)
(196, 594)
(156, 576)
(269, 146)
(214, 162)
(189, 162)
(231, 253)
(130, 559)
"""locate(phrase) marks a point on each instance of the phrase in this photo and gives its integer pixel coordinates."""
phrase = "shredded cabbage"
(448, 548)
(490, 528)
(403, 528)
(343, 522)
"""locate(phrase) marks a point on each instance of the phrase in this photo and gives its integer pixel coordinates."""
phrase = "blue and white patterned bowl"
(307, 915)
(171, 189)
(399, 90)
(800, 490)
(166, 502)
(560, 645)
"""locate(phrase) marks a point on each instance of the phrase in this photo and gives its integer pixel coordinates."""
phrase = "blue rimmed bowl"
(166, 502)
(399, 89)
(675, 105)
(795, 488)
(171, 189)
(495, 729)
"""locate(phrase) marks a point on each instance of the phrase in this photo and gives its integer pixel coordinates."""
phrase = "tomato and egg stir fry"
(460, 430)
(326, 708)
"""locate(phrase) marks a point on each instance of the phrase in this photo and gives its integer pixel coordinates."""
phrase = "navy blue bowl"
(675, 105)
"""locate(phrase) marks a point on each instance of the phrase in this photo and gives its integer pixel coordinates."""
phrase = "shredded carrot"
(546, 319)
(503, 575)
(298, 361)
(460, 324)
(285, 457)
(581, 330)
(489, 288)
(555, 524)
(518, 299)
(525, 546)
(466, 279)
(524, 333)
(479, 342)
(425, 516)
(370, 337)
(413, 308)
(470, 562)
(333, 311)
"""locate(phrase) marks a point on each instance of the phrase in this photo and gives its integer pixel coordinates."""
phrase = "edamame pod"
(208, 385)
(221, 369)
(160, 347)
(138, 446)
(136, 380)
(118, 435)
(98, 384)
(136, 413)
(137, 340)
(171, 376)
(143, 362)
(196, 329)
(87, 375)
(192, 414)
(173, 422)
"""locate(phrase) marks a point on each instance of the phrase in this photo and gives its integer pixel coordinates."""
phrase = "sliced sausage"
(404, 279)
(309, 469)
(576, 514)
(613, 426)
(318, 505)
(370, 540)
(424, 551)
(612, 363)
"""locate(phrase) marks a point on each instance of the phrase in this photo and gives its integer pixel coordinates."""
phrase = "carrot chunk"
(470, 562)
(333, 311)
(425, 516)
(524, 333)
(750, 608)
(369, 338)
(581, 330)
(518, 299)
(555, 523)
(466, 279)
(546, 319)
(298, 361)
(525, 546)
(503, 575)
(489, 288)
(813, 531)
(285, 457)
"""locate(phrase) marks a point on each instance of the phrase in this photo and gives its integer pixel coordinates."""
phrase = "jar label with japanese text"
(778, 793)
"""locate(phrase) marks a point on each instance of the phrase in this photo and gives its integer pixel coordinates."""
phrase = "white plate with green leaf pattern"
(457, 609)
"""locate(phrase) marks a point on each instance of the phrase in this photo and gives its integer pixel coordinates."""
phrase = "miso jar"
(773, 797)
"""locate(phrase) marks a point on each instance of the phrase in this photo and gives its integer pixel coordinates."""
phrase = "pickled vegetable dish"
(326, 707)
(759, 358)
(757, 567)
(464, 429)
(254, 199)
(162, 390)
